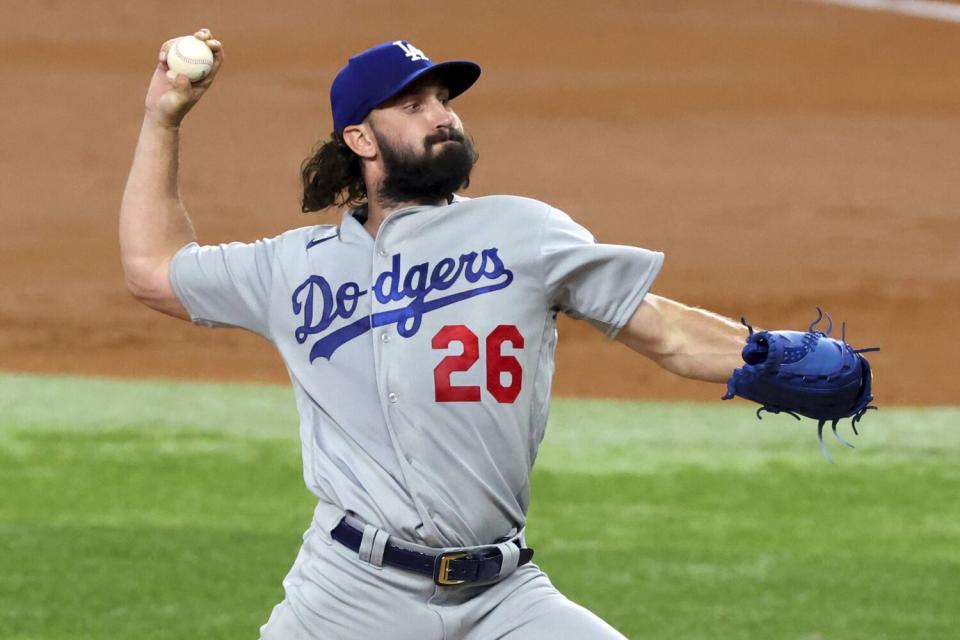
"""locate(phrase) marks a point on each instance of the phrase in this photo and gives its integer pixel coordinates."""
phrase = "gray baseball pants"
(331, 593)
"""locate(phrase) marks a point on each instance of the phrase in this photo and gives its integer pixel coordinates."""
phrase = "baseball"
(191, 57)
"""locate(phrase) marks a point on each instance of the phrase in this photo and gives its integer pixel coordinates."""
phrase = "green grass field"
(161, 510)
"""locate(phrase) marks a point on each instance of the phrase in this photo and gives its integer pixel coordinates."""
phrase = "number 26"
(497, 363)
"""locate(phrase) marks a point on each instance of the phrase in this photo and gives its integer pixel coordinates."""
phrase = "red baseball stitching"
(176, 48)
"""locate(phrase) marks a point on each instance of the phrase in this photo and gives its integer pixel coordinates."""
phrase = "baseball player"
(419, 334)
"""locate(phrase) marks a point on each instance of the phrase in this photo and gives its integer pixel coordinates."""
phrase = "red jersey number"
(497, 364)
(446, 392)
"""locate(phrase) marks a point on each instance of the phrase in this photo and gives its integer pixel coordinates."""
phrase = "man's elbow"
(650, 332)
(151, 287)
(141, 288)
(143, 277)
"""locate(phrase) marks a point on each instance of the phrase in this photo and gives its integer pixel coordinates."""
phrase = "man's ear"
(359, 137)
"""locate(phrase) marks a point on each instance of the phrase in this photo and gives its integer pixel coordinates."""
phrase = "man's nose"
(441, 115)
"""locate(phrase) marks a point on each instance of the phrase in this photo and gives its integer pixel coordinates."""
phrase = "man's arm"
(690, 342)
(154, 224)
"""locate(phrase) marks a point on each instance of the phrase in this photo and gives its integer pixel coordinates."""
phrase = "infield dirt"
(782, 154)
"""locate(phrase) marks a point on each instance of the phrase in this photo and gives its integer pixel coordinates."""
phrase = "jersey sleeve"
(226, 285)
(600, 283)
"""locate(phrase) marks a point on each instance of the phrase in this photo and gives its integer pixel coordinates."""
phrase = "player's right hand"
(171, 96)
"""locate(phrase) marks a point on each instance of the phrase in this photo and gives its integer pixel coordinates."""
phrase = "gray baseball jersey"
(422, 359)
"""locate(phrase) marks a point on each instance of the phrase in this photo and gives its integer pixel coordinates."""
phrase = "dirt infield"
(782, 154)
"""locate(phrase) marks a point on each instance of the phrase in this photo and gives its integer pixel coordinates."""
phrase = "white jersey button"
(392, 397)
(384, 336)
(382, 252)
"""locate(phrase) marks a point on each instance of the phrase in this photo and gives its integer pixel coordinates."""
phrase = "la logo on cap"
(411, 51)
(374, 75)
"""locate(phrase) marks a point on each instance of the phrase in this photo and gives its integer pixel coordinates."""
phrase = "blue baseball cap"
(376, 75)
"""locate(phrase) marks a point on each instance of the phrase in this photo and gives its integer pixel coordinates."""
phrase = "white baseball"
(191, 57)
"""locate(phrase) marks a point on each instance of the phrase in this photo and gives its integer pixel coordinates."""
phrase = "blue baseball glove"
(805, 374)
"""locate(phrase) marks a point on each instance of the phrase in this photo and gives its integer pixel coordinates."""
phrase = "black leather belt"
(445, 567)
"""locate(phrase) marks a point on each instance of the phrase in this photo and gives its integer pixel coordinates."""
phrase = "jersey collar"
(351, 225)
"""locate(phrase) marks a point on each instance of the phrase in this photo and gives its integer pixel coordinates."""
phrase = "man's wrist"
(157, 121)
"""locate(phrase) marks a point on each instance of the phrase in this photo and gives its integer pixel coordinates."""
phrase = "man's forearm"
(707, 345)
(153, 221)
(687, 341)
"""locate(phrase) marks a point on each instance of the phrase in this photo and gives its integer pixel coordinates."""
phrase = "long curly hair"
(332, 176)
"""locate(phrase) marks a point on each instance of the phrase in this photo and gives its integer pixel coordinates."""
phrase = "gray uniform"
(421, 362)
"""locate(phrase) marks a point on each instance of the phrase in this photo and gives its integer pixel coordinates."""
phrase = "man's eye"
(412, 106)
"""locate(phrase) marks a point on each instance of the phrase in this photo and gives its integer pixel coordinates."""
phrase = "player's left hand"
(805, 374)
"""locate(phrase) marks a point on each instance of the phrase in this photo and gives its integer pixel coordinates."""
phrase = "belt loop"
(366, 543)
(521, 538)
(373, 545)
(511, 557)
(379, 547)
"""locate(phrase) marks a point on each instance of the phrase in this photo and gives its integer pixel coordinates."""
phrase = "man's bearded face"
(426, 175)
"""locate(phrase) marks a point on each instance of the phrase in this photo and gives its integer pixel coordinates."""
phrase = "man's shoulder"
(510, 204)
(503, 199)
(306, 237)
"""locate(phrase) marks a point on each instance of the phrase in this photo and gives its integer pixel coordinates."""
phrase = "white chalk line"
(943, 11)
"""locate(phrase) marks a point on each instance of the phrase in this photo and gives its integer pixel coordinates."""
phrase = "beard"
(442, 168)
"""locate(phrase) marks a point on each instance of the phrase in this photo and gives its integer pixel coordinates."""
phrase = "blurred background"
(783, 154)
